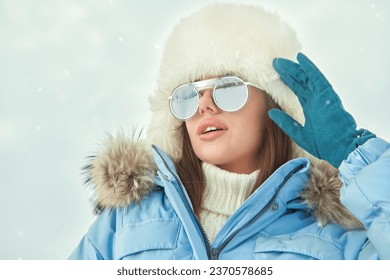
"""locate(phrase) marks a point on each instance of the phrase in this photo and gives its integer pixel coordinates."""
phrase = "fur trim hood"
(122, 173)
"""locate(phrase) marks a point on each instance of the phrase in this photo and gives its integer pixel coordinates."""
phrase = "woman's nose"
(206, 103)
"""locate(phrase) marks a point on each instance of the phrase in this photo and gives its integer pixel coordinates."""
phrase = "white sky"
(71, 70)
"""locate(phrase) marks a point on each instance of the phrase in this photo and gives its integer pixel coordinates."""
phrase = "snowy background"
(71, 70)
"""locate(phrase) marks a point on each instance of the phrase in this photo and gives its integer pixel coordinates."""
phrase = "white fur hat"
(217, 40)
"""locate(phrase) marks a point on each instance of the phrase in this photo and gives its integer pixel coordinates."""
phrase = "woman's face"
(236, 145)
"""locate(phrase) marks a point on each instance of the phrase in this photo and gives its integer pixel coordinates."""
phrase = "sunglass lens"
(230, 94)
(184, 102)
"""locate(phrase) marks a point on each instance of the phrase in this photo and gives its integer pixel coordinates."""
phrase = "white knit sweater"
(224, 193)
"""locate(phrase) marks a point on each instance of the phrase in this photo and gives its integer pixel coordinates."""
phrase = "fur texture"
(322, 194)
(121, 174)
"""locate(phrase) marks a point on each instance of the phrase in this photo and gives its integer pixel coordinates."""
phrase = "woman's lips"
(210, 129)
(212, 135)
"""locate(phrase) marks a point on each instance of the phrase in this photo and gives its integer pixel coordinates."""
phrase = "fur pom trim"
(322, 194)
(122, 173)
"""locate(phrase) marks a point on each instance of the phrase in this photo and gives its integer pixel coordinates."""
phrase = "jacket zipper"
(187, 204)
(213, 253)
(216, 251)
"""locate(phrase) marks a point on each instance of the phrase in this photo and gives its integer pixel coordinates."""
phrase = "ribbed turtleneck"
(224, 193)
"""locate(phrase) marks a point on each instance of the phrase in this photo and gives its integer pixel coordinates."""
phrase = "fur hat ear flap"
(217, 40)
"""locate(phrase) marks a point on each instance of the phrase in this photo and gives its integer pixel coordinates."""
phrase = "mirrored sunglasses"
(229, 94)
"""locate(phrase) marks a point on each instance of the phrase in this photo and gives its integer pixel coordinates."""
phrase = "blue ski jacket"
(152, 218)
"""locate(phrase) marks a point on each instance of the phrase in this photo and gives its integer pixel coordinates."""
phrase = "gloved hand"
(329, 132)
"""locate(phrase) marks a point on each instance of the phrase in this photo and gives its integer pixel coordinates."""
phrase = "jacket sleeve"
(97, 244)
(366, 192)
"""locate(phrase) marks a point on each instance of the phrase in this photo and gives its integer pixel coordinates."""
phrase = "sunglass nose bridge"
(205, 84)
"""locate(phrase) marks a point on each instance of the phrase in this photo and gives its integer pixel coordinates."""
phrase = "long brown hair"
(276, 150)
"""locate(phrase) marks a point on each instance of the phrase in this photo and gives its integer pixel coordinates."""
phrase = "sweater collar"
(226, 191)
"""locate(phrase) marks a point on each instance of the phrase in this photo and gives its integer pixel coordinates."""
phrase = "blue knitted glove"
(329, 132)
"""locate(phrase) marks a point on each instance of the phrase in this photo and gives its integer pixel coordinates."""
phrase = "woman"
(225, 181)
